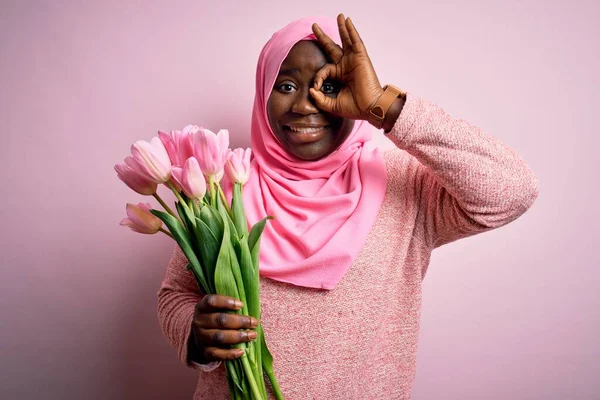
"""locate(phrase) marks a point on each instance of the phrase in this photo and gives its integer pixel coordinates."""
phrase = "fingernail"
(252, 335)
(239, 352)
(237, 304)
(253, 322)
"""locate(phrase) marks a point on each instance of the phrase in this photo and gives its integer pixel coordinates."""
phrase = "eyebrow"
(289, 71)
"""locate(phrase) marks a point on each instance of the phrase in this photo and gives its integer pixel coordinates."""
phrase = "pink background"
(511, 314)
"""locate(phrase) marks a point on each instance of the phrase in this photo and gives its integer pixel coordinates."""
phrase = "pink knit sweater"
(446, 180)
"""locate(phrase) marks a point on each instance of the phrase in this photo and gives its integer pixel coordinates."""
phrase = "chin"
(310, 152)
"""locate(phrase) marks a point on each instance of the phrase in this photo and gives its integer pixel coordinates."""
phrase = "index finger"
(331, 48)
(346, 41)
(216, 302)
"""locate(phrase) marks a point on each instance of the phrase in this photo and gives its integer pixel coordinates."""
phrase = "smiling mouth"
(306, 134)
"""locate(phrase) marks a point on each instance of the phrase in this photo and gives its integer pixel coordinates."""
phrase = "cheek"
(275, 109)
(348, 126)
(344, 127)
(270, 111)
(274, 113)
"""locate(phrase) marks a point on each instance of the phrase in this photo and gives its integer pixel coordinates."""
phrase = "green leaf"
(182, 215)
(183, 240)
(225, 283)
(256, 231)
(267, 358)
(237, 273)
(233, 376)
(213, 220)
(227, 218)
(259, 366)
(239, 214)
(245, 387)
(251, 282)
(209, 247)
(249, 277)
(230, 384)
(186, 215)
(267, 362)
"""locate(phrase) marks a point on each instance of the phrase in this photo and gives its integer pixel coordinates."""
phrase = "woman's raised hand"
(215, 329)
(352, 67)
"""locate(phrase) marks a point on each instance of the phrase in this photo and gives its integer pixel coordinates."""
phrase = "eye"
(285, 87)
(330, 88)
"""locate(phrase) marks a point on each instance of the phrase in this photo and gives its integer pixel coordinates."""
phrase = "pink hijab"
(323, 209)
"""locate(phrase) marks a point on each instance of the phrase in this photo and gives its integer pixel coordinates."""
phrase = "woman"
(343, 261)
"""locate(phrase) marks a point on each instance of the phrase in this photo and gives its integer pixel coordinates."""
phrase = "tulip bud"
(140, 219)
(134, 180)
(210, 150)
(192, 179)
(176, 178)
(152, 159)
(237, 166)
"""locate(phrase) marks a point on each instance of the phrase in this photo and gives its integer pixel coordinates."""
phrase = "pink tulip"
(176, 178)
(217, 178)
(152, 160)
(191, 129)
(192, 179)
(134, 180)
(210, 150)
(179, 144)
(140, 219)
(237, 166)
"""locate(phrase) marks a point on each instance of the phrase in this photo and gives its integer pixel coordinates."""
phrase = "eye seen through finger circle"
(329, 87)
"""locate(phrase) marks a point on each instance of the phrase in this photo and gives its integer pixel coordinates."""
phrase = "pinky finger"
(219, 354)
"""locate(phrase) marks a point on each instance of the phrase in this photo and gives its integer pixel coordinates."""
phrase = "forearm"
(175, 314)
(177, 298)
(489, 181)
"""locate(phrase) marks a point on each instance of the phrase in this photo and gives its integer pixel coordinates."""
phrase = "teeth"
(304, 130)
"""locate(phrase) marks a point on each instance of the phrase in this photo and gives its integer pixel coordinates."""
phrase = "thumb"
(325, 103)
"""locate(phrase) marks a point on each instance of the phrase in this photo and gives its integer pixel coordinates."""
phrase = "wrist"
(393, 113)
(384, 113)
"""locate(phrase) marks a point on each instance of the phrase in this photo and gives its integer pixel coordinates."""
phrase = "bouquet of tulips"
(222, 252)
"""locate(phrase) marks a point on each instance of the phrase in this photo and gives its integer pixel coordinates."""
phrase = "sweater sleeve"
(177, 298)
(470, 182)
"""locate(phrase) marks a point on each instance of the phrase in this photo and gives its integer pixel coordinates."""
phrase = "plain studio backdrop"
(509, 314)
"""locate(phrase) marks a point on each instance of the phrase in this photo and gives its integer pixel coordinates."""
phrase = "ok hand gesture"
(352, 67)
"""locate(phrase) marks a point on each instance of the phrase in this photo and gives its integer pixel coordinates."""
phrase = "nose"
(304, 103)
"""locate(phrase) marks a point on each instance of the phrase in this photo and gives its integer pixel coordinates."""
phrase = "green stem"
(237, 205)
(190, 204)
(213, 194)
(182, 202)
(250, 376)
(170, 185)
(196, 207)
(165, 206)
(166, 233)
(224, 200)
